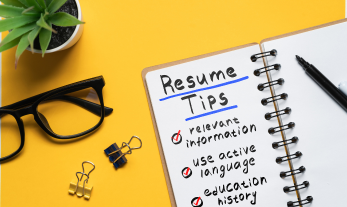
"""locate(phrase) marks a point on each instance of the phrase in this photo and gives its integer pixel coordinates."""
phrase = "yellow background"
(120, 39)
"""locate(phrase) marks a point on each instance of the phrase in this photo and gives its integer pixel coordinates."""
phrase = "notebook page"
(320, 122)
(214, 135)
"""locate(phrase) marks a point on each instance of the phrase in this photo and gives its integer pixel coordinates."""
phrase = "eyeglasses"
(67, 112)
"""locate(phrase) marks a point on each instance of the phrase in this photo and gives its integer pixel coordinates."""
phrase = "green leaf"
(32, 14)
(63, 19)
(13, 3)
(34, 3)
(55, 5)
(15, 22)
(10, 11)
(10, 44)
(29, 12)
(48, 2)
(45, 39)
(42, 3)
(17, 33)
(23, 44)
(24, 2)
(42, 23)
(32, 35)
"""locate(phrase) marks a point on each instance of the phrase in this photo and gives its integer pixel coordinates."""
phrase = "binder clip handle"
(127, 144)
(124, 144)
(89, 171)
(80, 179)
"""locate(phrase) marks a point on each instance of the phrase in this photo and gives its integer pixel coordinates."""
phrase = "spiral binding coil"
(297, 154)
(269, 116)
(255, 57)
(293, 140)
(308, 200)
(259, 71)
(293, 172)
(288, 189)
(273, 130)
(262, 86)
(265, 101)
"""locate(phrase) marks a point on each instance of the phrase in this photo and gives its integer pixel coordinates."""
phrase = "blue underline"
(212, 112)
(206, 88)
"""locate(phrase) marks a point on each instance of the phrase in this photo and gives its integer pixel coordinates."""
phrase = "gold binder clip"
(85, 189)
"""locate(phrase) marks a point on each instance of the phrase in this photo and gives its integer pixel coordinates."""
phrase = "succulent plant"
(28, 19)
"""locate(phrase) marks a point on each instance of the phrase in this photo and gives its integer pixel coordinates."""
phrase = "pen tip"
(298, 58)
(301, 61)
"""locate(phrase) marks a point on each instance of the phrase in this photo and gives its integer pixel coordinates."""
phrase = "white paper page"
(320, 122)
(171, 115)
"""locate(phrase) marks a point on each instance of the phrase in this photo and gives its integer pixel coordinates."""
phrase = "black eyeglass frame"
(29, 106)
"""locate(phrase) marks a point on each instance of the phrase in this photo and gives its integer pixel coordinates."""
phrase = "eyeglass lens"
(65, 117)
(10, 135)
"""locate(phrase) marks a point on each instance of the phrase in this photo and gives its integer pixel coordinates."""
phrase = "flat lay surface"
(119, 40)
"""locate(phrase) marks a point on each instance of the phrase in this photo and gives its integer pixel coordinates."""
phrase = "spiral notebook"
(246, 126)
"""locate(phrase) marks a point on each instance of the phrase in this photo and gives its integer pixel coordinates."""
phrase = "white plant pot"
(74, 37)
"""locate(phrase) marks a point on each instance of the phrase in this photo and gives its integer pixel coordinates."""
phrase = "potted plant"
(45, 26)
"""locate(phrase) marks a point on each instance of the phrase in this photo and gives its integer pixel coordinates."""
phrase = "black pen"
(324, 83)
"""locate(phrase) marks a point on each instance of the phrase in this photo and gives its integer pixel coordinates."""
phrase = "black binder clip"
(115, 153)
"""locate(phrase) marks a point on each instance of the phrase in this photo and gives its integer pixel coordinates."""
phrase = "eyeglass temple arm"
(90, 106)
(93, 107)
